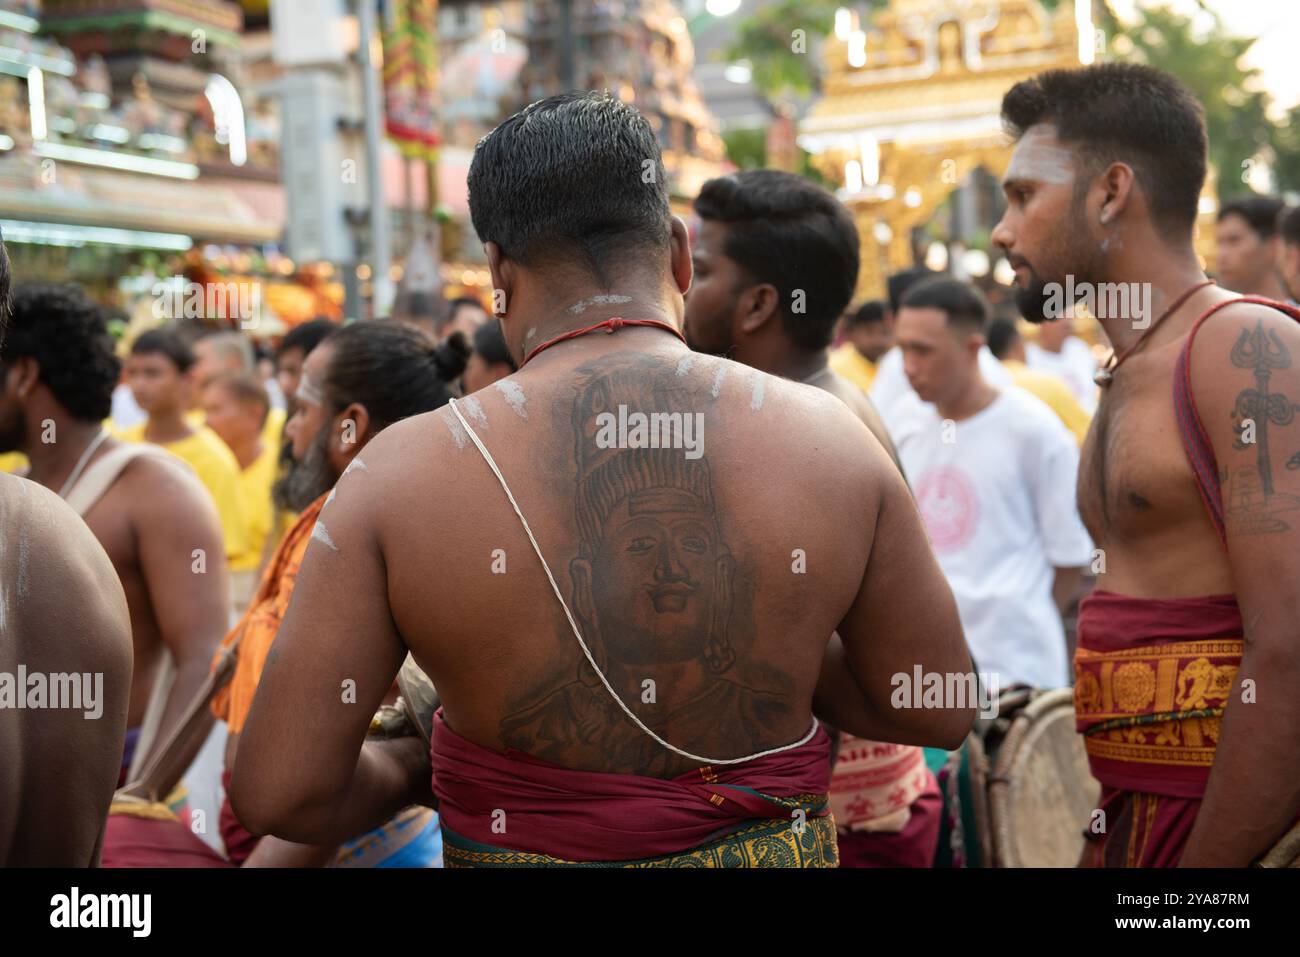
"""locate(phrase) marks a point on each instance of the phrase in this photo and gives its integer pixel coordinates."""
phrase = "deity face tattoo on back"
(652, 582)
(652, 588)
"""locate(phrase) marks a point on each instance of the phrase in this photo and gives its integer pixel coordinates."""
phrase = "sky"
(1276, 22)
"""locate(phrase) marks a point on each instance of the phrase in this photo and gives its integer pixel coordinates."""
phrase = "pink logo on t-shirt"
(949, 507)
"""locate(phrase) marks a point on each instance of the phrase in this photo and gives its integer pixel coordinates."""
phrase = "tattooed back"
(707, 525)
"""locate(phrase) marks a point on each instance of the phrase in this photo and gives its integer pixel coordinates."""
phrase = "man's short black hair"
(459, 301)
(1129, 113)
(168, 343)
(306, 337)
(491, 344)
(66, 332)
(1288, 225)
(962, 303)
(1001, 335)
(787, 231)
(903, 280)
(1259, 212)
(873, 310)
(572, 178)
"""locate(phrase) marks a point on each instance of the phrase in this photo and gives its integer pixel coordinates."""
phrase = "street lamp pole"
(381, 255)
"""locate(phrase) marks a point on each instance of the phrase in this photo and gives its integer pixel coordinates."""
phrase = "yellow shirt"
(847, 361)
(218, 470)
(1055, 393)
(255, 493)
(271, 431)
(12, 461)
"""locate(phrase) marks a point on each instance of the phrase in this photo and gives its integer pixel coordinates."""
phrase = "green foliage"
(1210, 64)
(766, 40)
(747, 148)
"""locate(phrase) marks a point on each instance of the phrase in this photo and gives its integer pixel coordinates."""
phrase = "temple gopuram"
(910, 105)
(641, 52)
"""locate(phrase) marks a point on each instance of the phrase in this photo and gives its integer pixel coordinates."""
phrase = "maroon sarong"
(131, 840)
(518, 802)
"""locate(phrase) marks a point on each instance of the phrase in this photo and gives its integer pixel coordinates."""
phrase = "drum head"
(1042, 793)
(419, 697)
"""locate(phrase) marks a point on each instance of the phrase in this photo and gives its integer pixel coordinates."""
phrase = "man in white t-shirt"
(994, 474)
(890, 384)
(1066, 356)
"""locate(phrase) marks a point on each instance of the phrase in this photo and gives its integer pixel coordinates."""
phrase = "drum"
(1285, 853)
(1041, 792)
(412, 714)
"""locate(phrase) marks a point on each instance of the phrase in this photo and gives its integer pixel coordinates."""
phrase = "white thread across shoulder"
(491, 464)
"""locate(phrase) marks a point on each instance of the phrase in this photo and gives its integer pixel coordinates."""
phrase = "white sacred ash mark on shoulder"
(684, 366)
(475, 411)
(532, 334)
(717, 380)
(514, 396)
(756, 395)
(357, 464)
(321, 534)
(454, 427)
(334, 491)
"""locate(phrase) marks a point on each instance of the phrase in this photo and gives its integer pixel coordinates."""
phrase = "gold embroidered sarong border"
(1160, 704)
(766, 843)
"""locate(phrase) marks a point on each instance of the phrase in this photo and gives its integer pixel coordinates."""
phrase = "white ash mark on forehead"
(1034, 159)
(756, 392)
(717, 380)
(684, 366)
(514, 396)
(321, 534)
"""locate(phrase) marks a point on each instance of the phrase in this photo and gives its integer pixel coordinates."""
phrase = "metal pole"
(382, 283)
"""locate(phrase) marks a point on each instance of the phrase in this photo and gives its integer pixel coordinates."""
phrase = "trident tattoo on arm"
(1261, 352)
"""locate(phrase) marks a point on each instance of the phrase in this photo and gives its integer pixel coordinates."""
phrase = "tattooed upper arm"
(1246, 375)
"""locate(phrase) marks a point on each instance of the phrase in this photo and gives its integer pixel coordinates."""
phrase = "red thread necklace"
(1106, 374)
(609, 325)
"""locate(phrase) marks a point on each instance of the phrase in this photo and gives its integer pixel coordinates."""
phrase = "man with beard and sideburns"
(358, 381)
(1189, 480)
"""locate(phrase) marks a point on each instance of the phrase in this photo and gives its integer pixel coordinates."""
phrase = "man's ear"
(1117, 184)
(352, 430)
(679, 244)
(503, 278)
(759, 305)
(22, 375)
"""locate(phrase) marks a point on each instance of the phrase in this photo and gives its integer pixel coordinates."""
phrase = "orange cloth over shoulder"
(262, 620)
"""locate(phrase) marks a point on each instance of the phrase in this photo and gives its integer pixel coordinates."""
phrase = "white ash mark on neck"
(578, 308)
(514, 396)
(684, 366)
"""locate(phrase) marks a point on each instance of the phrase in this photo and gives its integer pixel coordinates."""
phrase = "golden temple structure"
(910, 107)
